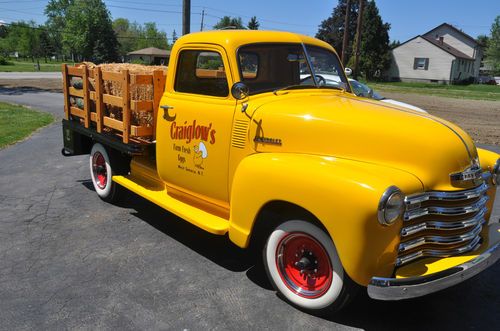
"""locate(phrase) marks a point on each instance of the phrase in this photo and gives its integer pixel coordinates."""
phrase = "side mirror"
(240, 91)
(348, 71)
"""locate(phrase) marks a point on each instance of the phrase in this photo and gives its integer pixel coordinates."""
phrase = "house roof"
(152, 51)
(447, 48)
(454, 28)
(443, 46)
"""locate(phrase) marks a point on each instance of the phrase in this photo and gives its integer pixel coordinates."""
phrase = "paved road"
(69, 260)
(30, 75)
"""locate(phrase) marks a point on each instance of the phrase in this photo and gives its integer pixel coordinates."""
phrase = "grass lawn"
(18, 122)
(18, 66)
(473, 91)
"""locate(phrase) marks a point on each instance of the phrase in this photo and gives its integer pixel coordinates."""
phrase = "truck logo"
(193, 131)
(269, 141)
(472, 174)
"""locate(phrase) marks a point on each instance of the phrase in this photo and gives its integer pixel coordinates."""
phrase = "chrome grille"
(442, 224)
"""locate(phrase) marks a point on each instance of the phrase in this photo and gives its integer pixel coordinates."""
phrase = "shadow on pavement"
(20, 90)
(464, 306)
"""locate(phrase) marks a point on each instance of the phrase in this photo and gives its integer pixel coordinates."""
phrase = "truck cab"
(338, 192)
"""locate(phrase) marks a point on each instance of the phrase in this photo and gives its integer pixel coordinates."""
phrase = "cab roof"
(236, 38)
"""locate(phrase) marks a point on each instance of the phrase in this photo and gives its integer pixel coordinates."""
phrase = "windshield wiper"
(292, 87)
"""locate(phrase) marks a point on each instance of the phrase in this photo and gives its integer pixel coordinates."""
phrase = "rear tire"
(303, 265)
(101, 172)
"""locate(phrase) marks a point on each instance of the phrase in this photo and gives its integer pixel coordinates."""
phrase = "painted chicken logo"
(200, 153)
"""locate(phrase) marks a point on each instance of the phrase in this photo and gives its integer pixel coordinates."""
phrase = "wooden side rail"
(95, 100)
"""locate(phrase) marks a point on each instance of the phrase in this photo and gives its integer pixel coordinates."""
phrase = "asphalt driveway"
(70, 261)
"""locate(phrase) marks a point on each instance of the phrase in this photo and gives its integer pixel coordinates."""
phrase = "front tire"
(304, 267)
(101, 172)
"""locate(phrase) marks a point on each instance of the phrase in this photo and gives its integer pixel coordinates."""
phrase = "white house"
(443, 55)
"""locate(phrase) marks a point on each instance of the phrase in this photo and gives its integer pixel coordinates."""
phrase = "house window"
(421, 63)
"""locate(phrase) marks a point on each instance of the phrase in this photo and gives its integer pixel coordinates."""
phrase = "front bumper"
(406, 288)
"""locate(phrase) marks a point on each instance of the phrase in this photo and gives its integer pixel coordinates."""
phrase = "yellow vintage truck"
(338, 192)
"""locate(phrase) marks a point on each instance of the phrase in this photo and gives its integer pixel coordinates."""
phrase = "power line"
(21, 12)
(209, 15)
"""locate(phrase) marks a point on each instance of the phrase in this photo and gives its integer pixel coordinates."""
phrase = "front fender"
(342, 194)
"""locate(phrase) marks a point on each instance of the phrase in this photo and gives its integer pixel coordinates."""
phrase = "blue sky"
(407, 18)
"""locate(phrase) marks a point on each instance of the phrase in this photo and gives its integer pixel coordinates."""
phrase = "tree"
(493, 50)
(174, 36)
(133, 36)
(375, 56)
(483, 41)
(253, 24)
(394, 44)
(229, 22)
(152, 37)
(3, 30)
(125, 36)
(86, 28)
(56, 11)
(375, 50)
(331, 30)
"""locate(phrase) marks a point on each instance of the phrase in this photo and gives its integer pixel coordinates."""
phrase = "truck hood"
(339, 125)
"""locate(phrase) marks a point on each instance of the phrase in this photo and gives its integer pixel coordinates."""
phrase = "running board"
(157, 193)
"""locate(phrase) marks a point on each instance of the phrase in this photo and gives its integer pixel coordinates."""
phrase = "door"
(194, 125)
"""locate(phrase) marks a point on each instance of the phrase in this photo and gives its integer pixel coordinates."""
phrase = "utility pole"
(358, 38)
(202, 17)
(346, 32)
(186, 16)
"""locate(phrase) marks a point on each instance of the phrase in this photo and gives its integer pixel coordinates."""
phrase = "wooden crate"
(94, 97)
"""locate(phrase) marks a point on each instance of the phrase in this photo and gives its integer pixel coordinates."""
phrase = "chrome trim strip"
(440, 240)
(456, 133)
(446, 211)
(309, 64)
(447, 196)
(473, 245)
(444, 226)
(382, 288)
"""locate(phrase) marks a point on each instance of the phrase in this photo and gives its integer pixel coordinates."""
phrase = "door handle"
(166, 115)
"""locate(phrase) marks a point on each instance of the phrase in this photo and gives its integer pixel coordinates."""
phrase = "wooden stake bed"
(95, 101)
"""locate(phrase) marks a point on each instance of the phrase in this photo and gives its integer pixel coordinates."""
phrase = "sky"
(407, 18)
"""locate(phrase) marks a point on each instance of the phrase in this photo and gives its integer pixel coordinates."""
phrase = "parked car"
(363, 90)
(487, 80)
(360, 89)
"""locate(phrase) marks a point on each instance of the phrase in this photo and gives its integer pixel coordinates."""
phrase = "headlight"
(391, 206)
(496, 173)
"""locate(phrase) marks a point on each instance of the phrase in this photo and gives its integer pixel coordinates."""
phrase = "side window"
(201, 72)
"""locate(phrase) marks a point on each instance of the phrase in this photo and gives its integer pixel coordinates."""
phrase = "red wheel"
(102, 173)
(99, 170)
(304, 265)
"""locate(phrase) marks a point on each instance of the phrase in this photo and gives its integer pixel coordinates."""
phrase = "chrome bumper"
(405, 288)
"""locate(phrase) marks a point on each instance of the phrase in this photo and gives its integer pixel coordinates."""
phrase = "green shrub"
(138, 61)
(5, 62)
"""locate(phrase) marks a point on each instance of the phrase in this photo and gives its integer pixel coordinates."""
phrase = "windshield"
(272, 67)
